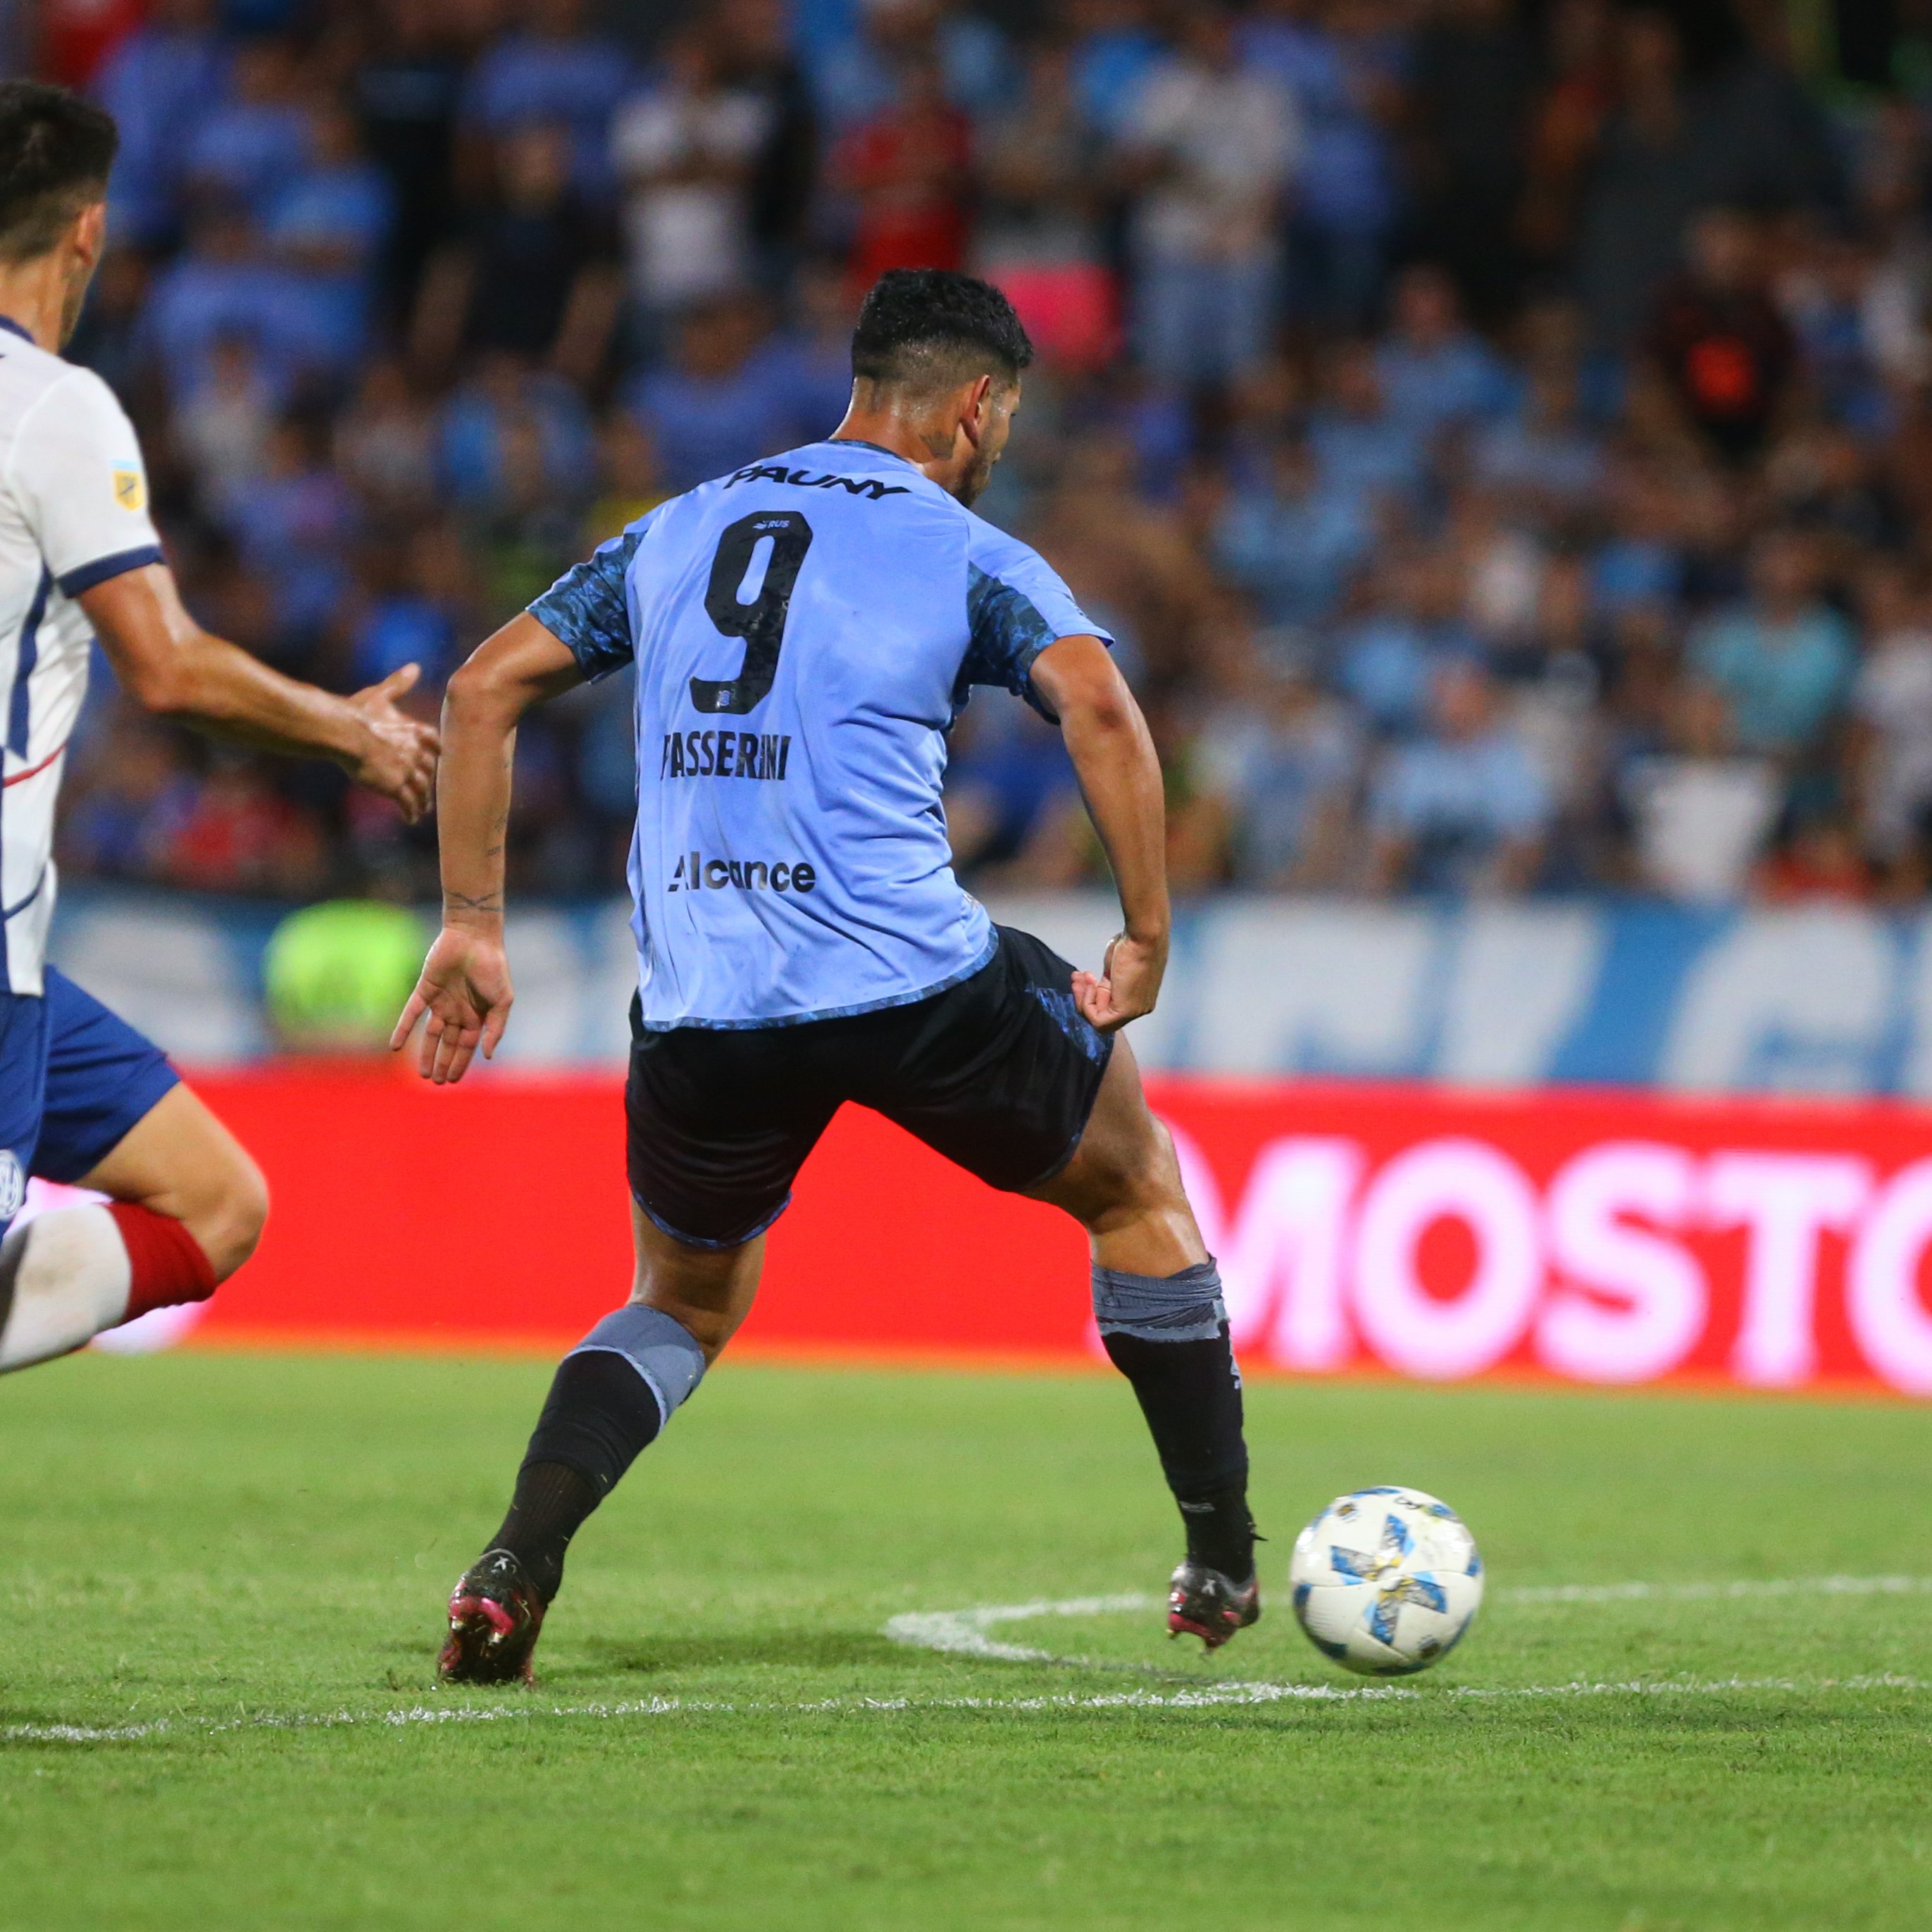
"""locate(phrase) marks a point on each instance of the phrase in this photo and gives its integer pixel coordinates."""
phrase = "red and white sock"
(67, 1274)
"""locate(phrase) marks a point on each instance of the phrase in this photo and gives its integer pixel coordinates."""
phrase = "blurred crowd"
(1499, 434)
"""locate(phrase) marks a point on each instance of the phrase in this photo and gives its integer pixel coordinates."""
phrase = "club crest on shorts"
(13, 1185)
(130, 487)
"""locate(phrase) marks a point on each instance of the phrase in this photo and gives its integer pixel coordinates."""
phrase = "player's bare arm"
(465, 988)
(1113, 755)
(171, 667)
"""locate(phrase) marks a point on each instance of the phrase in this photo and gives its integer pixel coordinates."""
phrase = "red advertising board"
(1594, 1238)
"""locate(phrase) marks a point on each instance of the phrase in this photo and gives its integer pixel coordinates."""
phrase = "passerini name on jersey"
(725, 755)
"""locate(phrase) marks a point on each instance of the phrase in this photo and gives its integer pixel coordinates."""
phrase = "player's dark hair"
(929, 328)
(56, 152)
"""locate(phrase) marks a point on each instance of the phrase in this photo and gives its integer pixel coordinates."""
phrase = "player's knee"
(229, 1223)
(1148, 1179)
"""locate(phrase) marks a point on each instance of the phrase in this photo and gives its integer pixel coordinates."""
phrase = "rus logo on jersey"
(130, 487)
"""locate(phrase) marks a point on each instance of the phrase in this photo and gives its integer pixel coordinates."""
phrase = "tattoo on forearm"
(465, 902)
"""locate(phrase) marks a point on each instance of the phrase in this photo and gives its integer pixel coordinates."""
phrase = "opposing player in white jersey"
(805, 632)
(83, 1097)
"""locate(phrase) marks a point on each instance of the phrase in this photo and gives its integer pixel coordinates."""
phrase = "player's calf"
(1157, 1302)
(612, 1396)
(69, 1274)
(1168, 1336)
(188, 1209)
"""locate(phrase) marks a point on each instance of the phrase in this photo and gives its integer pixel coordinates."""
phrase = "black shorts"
(998, 1073)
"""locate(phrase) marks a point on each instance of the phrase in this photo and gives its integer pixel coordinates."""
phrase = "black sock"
(600, 1415)
(1190, 1394)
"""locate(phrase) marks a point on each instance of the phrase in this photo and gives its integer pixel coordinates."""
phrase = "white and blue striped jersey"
(805, 632)
(74, 512)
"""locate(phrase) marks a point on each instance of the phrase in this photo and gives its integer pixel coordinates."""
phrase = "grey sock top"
(1182, 1307)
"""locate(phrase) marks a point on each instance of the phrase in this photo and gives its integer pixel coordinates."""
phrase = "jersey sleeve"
(77, 474)
(1015, 606)
(588, 608)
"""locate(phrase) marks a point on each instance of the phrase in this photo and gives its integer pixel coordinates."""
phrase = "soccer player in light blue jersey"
(804, 632)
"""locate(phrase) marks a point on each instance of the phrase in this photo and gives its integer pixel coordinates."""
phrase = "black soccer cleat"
(1202, 1602)
(495, 1614)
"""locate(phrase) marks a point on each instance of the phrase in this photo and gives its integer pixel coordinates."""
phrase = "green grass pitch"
(221, 1577)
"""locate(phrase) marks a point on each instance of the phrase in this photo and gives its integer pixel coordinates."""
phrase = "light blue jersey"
(804, 631)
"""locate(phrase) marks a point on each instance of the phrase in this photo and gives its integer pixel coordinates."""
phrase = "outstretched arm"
(1114, 758)
(171, 666)
(465, 987)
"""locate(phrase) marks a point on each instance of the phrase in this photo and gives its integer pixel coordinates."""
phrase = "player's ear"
(975, 407)
(89, 233)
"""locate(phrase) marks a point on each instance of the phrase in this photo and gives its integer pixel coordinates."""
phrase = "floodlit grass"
(222, 1576)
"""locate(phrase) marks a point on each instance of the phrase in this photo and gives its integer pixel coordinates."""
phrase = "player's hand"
(465, 989)
(1126, 985)
(399, 760)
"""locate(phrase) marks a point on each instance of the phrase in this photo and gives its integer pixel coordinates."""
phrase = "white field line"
(1699, 1592)
(1207, 1696)
(964, 1633)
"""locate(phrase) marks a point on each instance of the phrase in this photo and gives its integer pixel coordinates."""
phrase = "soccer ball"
(1386, 1581)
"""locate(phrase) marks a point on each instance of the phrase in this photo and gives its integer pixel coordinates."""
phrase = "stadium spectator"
(1475, 69)
(551, 72)
(758, 41)
(327, 229)
(1541, 453)
(1388, 658)
(1291, 543)
(1891, 706)
(1283, 774)
(393, 365)
(684, 149)
(1723, 350)
(864, 76)
(224, 288)
(1115, 48)
(1465, 809)
(1344, 72)
(906, 172)
(534, 276)
(1361, 448)
(1784, 659)
(240, 834)
(1211, 148)
(294, 523)
(385, 443)
(1436, 372)
(506, 405)
(1700, 811)
(249, 144)
(1039, 236)
(222, 420)
(405, 92)
(724, 397)
(157, 84)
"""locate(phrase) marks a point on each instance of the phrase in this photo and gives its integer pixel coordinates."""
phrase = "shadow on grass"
(799, 1649)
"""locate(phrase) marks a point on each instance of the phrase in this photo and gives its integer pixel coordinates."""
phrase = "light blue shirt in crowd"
(1784, 680)
(805, 631)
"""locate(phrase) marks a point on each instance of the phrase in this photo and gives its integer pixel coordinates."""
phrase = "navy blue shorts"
(998, 1073)
(74, 1079)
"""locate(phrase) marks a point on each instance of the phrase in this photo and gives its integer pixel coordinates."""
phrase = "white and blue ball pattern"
(1386, 1581)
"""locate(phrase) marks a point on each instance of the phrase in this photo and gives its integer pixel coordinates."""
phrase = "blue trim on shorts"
(959, 978)
(75, 1078)
(664, 1227)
